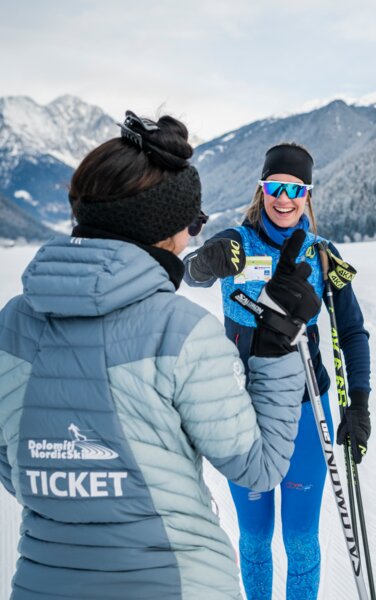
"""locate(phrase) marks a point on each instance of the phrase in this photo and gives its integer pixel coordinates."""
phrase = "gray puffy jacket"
(112, 388)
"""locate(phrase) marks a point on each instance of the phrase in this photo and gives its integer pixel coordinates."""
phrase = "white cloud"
(359, 27)
(220, 63)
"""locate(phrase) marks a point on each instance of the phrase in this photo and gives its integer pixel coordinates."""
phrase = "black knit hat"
(150, 216)
(290, 159)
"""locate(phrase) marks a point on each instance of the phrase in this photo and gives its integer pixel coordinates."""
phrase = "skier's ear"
(167, 244)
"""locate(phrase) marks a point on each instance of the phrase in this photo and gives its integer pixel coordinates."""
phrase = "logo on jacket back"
(74, 484)
(79, 447)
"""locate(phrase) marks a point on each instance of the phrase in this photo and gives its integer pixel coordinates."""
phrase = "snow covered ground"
(337, 580)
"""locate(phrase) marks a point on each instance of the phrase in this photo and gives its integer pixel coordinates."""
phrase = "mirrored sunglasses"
(195, 227)
(293, 190)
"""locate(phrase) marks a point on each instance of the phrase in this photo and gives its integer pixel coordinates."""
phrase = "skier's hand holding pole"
(356, 424)
(287, 293)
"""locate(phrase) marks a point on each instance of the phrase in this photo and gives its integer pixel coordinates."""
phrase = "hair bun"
(165, 143)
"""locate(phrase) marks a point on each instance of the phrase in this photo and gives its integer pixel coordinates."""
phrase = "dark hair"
(117, 169)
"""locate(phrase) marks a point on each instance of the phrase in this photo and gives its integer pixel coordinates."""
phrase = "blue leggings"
(301, 493)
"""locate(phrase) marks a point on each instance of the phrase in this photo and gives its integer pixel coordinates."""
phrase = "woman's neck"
(279, 234)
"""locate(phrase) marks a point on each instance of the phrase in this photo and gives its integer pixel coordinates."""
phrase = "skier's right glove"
(220, 257)
(289, 293)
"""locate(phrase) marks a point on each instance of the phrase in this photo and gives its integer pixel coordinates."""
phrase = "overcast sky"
(218, 64)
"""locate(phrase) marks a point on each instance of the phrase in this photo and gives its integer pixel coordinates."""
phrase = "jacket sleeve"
(248, 441)
(353, 339)
(231, 234)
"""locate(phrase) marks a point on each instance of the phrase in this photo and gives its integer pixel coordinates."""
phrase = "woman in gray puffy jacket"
(112, 388)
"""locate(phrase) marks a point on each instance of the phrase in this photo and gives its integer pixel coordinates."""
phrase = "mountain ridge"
(41, 145)
(336, 135)
(16, 224)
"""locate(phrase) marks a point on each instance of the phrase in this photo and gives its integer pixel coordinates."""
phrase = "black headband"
(289, 159)
(150, 216)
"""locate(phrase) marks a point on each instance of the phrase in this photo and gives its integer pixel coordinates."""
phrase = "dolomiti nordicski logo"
(79, 447)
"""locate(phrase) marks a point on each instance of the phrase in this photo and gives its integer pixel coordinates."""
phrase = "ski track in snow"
(336, 575)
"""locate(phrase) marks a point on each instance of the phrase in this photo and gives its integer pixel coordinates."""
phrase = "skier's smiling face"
(283, 211)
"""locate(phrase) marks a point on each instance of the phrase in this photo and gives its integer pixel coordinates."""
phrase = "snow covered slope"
(41, 145)
(66, 128)
(342, 140)
(337, 581)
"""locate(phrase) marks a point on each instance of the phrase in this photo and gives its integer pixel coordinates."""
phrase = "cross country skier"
(99, 340)
(278, 209)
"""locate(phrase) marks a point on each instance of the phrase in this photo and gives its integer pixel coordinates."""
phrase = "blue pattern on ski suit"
(253, 245)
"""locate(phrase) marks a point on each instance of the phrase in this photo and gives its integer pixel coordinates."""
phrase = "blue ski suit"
(302, 488)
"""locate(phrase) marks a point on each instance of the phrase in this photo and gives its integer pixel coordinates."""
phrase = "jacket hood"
(72, 277)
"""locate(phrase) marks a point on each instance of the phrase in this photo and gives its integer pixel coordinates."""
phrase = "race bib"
(257, 268)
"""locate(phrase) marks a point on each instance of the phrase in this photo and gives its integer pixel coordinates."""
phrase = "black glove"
(289, 293)
(220, 257)
(355, 423)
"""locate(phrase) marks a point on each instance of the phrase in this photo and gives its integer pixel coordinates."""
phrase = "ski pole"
(297, 334)
(341, 388)
(351, 466)
(327, 447)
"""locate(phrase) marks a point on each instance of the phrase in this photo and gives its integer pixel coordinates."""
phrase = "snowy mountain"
(195, 140)
(342, 139)
(15, 224)
(40, 146)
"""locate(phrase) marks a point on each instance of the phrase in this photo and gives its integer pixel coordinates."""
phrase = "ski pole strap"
(340, 273)
(292, 328)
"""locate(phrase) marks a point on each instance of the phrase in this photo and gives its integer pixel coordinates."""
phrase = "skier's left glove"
(355, 423)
